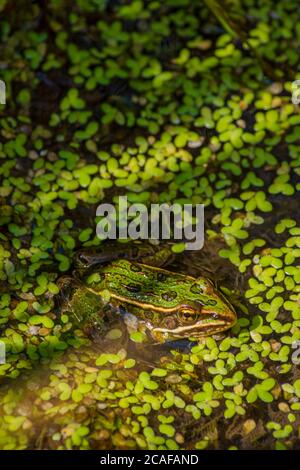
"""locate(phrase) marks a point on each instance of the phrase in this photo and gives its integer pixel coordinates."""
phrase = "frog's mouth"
(194, 331)
(207, 323)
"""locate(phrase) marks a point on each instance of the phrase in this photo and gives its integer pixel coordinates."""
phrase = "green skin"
(168, 305)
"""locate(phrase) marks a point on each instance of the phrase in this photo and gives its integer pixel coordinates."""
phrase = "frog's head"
(204, 311)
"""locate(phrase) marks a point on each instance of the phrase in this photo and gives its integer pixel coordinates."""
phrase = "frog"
(134, 283)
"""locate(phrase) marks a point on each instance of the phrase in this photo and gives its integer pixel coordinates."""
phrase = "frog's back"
(136, 282)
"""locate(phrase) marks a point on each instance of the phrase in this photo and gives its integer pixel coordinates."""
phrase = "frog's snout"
(224, 314)
(229, 313)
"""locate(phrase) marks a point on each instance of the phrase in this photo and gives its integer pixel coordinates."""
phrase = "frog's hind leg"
(85, 260)
(141, 251)
(85, 308)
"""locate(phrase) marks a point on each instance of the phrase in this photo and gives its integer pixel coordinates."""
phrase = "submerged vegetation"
(162, 102)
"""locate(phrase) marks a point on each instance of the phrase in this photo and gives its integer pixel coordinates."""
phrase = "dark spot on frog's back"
(196, 289)
(169, 295)
(211, 302)
(135, 288)
(135, 268)
(161, 277)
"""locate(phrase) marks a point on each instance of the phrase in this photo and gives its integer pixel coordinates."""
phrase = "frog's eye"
(187, 315)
